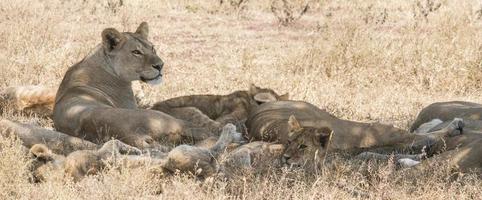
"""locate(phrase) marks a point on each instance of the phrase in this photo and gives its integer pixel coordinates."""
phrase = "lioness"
(95, 100)
(305, 131)
(217, 110)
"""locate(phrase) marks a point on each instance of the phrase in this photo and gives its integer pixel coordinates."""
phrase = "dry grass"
(361, 60)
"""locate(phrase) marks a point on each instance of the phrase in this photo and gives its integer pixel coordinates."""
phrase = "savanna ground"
(371, 60)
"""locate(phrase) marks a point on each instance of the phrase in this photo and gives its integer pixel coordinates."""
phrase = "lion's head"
(131, 56)
(43, 162)
(306, 145)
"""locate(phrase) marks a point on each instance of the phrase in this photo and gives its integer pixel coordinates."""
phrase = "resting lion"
(184, 158)
(255, 156)
(30, 135)
(306, 130)
(77, 164)
(214, 111)
(461, 151)
(200, 161)
(447, 111)
(95, 100)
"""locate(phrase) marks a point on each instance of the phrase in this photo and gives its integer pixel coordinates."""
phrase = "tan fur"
(32, 98)
(30, 135)
(95, 100)
(198, 160)
(206, 161)
(77, 164)
(305, 130)
(447, 111)
(253, 157)
(462, 151)
(215, 111)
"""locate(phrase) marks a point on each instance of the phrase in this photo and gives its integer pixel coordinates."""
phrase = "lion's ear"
(293, 124)
(284, 97)
(143, 30)
(41, 151)
(253, 89)
(264, 97)
(111, 38)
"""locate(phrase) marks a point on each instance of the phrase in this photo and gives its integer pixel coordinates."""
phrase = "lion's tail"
(24, 97)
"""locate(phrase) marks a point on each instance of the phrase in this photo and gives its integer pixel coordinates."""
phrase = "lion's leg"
(56, 141)
(429, 143)
(233, 117)
(434, 142)
(195, 117)
(140, 128)
(228, 136)
(404, 160)
(378, 156)
(426, 127)
(116, 147)
(237, 117)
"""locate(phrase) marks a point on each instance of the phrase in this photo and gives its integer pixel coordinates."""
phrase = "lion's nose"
(286, 156)
(158, 66)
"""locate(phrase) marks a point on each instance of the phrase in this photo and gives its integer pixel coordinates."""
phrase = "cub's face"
(306, 145)
(44, 162)
(132, 56)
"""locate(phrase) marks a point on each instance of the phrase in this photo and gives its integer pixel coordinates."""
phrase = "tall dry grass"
(361, 60)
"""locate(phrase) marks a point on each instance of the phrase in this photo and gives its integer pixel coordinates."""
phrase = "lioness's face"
(306, 145)
(132, 56)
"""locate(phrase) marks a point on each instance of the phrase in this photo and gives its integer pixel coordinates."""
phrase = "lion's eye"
(137, 52)
(302, 146)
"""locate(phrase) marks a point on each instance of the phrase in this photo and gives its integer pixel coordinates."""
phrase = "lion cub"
(253, 157)
(198, 160)
(205, 161)
(185, 158)
(77, 164)
(214, 111)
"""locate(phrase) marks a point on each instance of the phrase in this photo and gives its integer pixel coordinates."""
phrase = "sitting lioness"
(305, 131)
(214, 111)
(95, 100)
